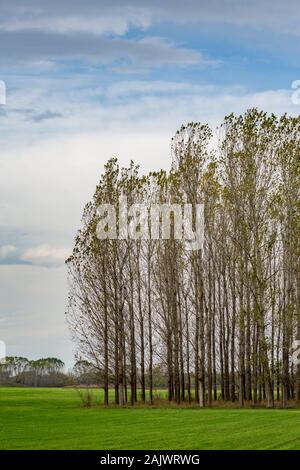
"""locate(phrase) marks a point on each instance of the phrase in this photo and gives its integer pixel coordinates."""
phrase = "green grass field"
(55, 419)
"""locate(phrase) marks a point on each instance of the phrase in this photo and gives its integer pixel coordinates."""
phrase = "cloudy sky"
(88, 80)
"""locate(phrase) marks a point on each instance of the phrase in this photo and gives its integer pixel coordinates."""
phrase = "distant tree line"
(48, 372)
(220, 321)
(39, 373)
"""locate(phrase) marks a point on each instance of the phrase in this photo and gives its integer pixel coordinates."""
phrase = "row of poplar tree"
(221, 321)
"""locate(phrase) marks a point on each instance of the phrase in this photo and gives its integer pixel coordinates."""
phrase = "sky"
(95, 79)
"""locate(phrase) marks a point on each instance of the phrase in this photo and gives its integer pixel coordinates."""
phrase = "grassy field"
(54, 419)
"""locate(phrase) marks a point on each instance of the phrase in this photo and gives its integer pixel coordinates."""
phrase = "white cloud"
(118, 16)
(69, 16)
(44, 47)
(7, 251)
(143, 87)
(57, 109)
(46, 255)
(40, 255)
(74, 23)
